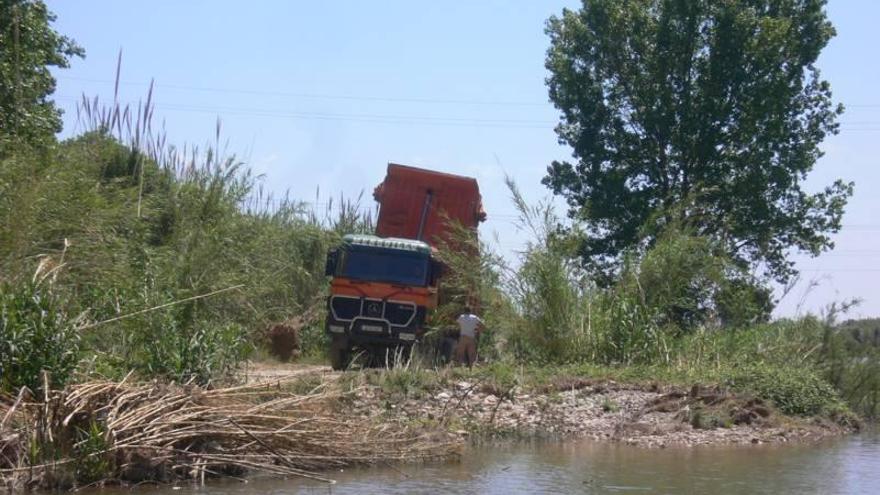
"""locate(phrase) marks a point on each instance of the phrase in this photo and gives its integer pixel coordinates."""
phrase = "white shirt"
(467, 324)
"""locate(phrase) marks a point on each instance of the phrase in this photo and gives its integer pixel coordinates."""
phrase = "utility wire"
(181, 87)
(315, 95)
(384, 119)
(504, 216)
(367, 118)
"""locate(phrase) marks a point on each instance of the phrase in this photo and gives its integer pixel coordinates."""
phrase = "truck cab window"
(386, 265)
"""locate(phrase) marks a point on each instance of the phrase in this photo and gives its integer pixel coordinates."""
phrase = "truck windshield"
(385, 265)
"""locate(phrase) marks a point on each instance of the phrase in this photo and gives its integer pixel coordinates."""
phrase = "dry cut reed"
(105, 431)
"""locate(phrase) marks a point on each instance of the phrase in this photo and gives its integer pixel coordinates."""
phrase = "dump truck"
(384, 286)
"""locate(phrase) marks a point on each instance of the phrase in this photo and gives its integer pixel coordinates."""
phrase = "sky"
(317, 97)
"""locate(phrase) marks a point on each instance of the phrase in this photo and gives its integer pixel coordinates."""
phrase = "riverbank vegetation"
(125, 259)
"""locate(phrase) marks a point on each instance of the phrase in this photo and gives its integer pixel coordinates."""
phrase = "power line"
(376, 118)
(504, 216)
(327, 96)
(314, 95)
(367, 118)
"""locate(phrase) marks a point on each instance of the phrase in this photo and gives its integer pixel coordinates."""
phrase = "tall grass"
(551, 294)
(146, 230)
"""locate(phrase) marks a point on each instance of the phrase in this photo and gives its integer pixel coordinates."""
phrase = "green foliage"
(141, 230)
(163, 345)
(681, 310)
(313, 340)
(609, 406)
(706, 114)
(94, 456)
(548, 290)
(29, 47)
(625, 331)
(500, 377)
(681, 283)
(36, 336)
(405, 379)
(850, 359)
(796, 391)
(678, 278)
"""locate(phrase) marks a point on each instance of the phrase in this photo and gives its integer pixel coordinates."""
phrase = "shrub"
(93, 453)
(794, 390)
(35, 336)
(851, 362)
(164, 345)
(550, 293)
(407, 378)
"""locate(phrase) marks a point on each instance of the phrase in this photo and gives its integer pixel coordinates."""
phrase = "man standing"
(469, 326)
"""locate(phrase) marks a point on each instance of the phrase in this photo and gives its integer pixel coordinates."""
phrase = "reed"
(103, 432)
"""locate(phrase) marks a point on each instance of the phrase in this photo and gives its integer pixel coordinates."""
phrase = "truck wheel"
(340, 354)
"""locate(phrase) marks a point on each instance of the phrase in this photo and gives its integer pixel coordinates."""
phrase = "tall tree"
(703, 113)
(28, 48)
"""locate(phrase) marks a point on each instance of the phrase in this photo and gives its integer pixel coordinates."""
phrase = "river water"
(848, 465)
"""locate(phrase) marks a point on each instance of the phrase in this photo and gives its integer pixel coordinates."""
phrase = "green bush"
(794, 390)
(406, 379)
(93, 453)
(850, 359)
(35, 336)
(140, 231)
(550, 294)
(164, 345)
(314, 341)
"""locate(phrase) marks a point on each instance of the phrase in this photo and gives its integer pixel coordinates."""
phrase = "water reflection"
(850, 465)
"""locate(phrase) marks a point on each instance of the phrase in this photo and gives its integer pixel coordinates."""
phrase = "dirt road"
(259, 372)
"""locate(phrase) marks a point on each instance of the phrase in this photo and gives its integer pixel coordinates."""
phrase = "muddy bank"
(648, 416)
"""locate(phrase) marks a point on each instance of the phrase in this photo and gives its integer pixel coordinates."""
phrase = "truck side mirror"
(330, 266)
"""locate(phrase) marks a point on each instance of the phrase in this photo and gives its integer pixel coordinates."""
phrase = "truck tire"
(340, 354)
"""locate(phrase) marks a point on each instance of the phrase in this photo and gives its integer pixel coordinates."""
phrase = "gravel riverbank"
(605, 410)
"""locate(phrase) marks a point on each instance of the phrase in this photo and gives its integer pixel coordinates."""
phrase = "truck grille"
(373, 309)
(399, 314)
(346, 308)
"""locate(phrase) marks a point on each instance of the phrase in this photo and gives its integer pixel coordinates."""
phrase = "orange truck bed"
(415, 203)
